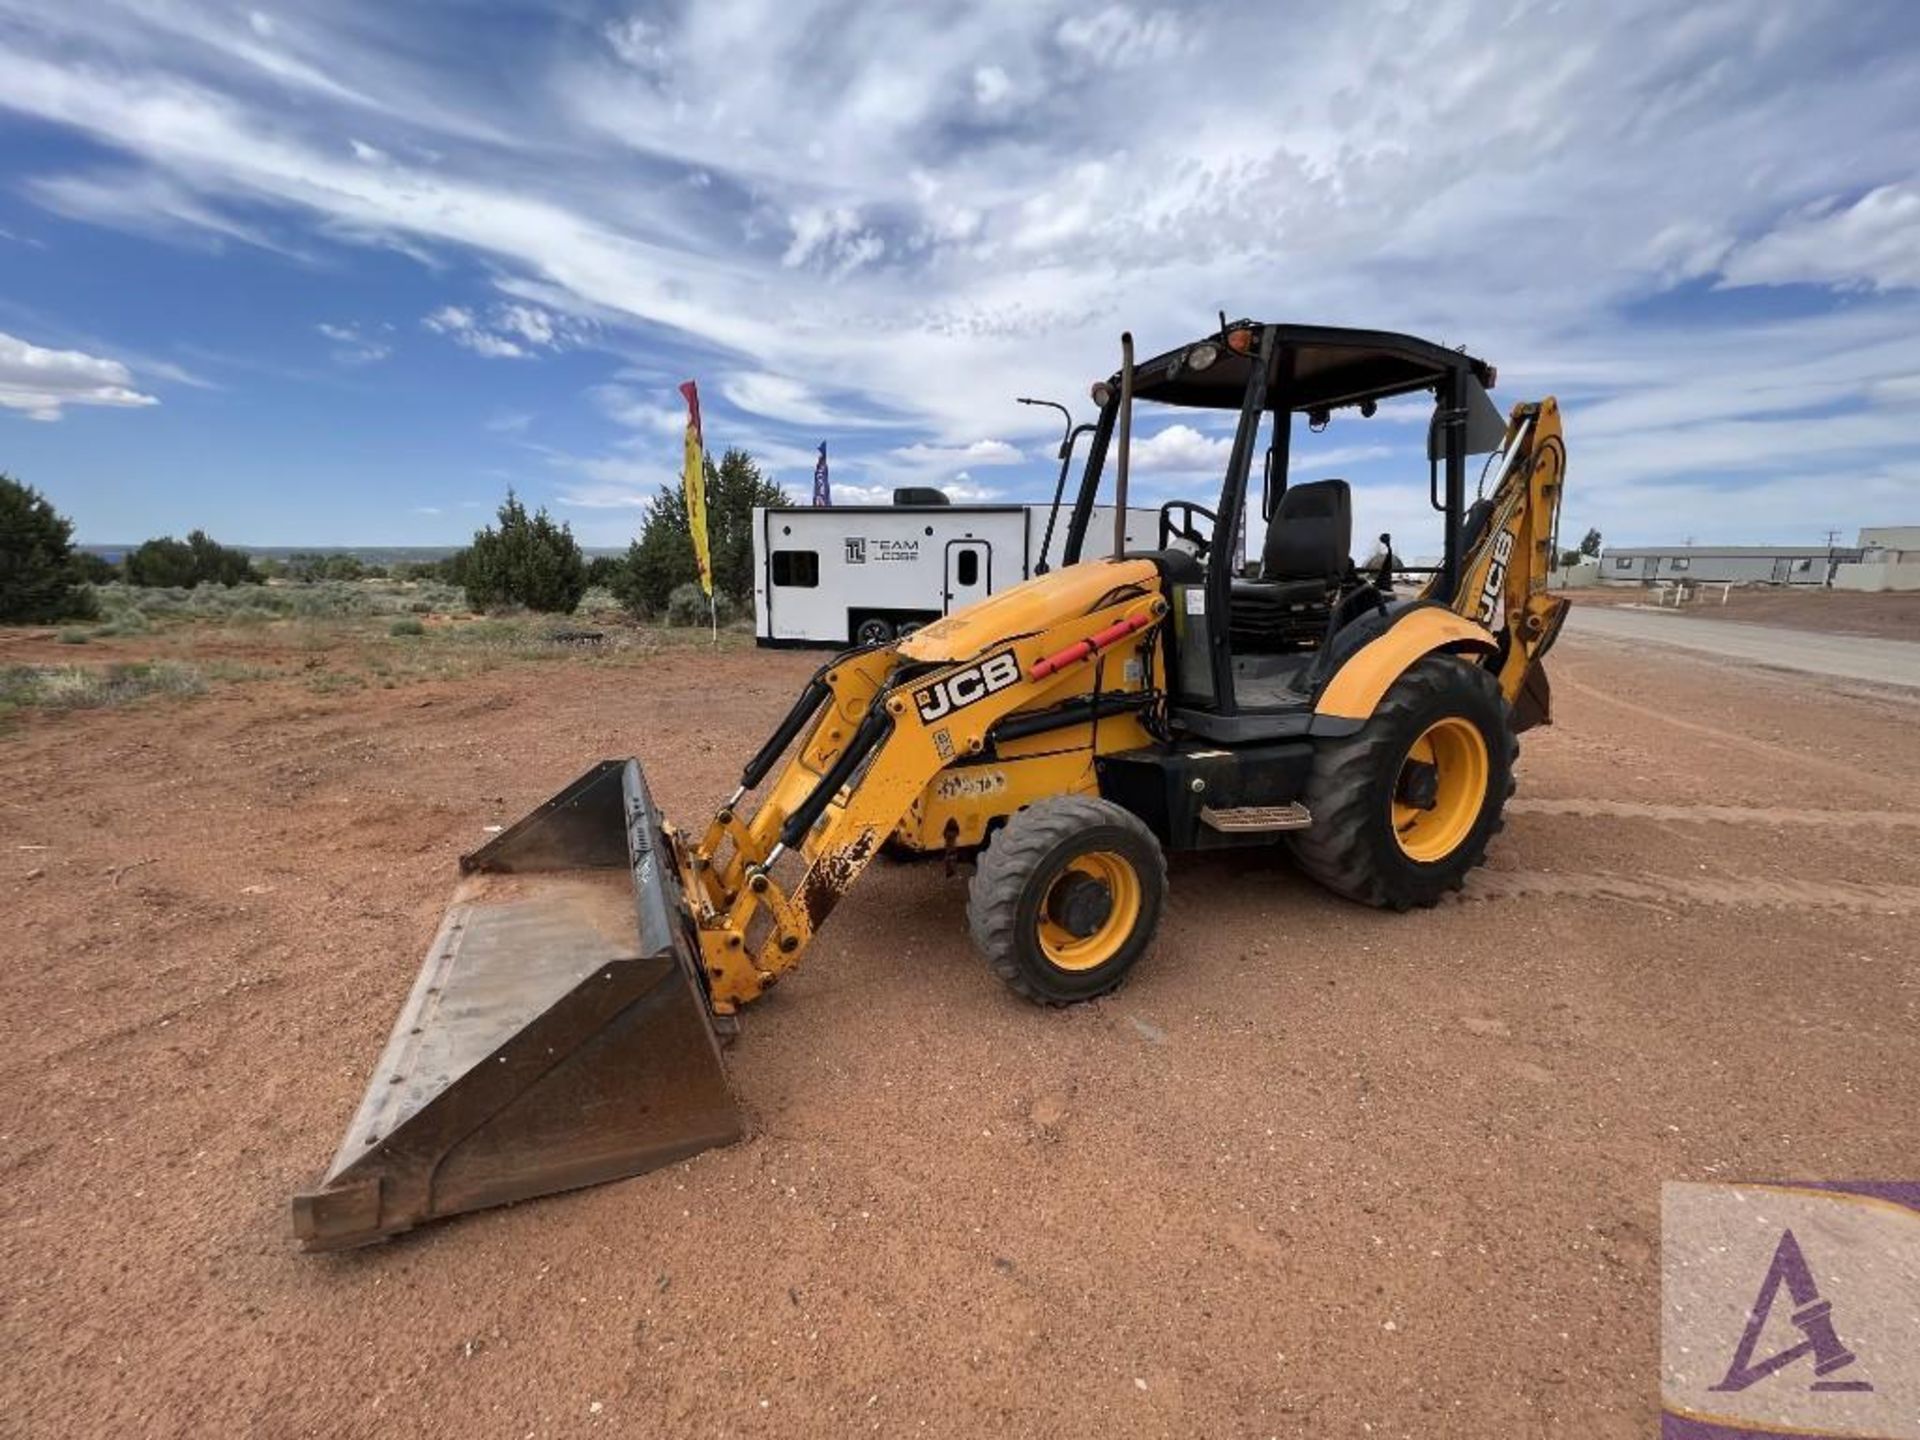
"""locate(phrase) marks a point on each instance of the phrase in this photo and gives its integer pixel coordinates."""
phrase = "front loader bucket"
(557, 1036)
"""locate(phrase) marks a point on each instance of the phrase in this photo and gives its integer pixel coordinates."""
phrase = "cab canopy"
(1325, 367)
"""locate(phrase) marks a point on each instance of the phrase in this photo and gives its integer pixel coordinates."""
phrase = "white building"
(1889, 560)
(1717, 564)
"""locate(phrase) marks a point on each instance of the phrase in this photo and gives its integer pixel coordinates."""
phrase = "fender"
(1357, 686)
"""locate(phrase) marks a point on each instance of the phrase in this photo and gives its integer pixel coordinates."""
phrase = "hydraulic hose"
(803, 710)
(874, 728)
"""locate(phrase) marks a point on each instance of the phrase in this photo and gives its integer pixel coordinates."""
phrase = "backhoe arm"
(1503, 584)
(878, 729)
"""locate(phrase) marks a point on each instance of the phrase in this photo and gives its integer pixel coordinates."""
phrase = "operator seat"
(1307, 555)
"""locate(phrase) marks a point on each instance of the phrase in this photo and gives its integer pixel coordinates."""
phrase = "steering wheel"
(1202, 541)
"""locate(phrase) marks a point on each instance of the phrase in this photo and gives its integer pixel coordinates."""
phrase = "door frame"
(946, 573)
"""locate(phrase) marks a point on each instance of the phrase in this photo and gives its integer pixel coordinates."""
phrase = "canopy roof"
(1331, 367)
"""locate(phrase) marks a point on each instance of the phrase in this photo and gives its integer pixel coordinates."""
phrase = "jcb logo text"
(1491, 613)
(964, 687)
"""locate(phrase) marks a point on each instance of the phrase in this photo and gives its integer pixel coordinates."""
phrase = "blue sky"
(341, 273)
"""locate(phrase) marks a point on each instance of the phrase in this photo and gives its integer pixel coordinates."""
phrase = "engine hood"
(1028, 608)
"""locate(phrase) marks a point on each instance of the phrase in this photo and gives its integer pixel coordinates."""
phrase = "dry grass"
(157, 642)
(79, 687)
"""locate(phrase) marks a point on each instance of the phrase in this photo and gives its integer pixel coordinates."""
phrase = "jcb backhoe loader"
(1070, 731)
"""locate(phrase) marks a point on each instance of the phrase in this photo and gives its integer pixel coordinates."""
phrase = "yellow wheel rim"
(1447, 764)
(1115, 874)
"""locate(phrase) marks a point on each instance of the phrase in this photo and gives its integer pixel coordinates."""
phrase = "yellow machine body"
(551, 1042)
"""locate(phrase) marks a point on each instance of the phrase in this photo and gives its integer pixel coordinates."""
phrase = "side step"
(1256, 819)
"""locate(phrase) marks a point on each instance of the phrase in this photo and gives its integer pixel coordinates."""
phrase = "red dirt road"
(1315, 1171)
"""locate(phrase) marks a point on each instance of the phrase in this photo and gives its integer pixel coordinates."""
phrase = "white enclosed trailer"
(837, 575)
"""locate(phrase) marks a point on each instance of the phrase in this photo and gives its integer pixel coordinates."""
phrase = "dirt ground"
(1314, 1171)
(1894, 615)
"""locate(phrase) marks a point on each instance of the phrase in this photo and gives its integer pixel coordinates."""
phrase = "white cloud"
(39, 383)
(1118, 36)
(459, 325)
(1330, 462)
(530, 323)
(149, 204)
(626, 406)
(980, 452)
(991, 85)
(960, 489)
(1874, 242)
(1181, 449)
(831, 237)
(779, 398)
(352, 346)
(640, 43)
(510, 331)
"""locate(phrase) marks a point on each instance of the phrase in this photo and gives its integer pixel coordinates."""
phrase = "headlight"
(1202, 356)
(1102, 393)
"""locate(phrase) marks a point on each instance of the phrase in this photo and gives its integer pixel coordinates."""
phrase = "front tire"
(1405, 808)
(1066, 898)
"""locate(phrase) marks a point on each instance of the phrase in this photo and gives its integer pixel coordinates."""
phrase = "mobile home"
(1718, 564)
(838, 575)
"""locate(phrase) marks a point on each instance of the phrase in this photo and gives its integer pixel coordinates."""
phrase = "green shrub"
(94, 569)
(336, 565)
(183, 564)
(687, 605)
(75, 637)
(332, 597)
(408, 626)
(528, 561)
(41, 579)
(662, 558)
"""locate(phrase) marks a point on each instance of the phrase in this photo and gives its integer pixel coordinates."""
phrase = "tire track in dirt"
(1853, 896)
(1719, 814)
(1732, 738)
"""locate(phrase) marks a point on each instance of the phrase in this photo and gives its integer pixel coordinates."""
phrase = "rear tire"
(1066, 898)
(873, 631)
(1405, 808)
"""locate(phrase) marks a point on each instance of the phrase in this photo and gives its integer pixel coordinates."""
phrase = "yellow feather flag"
(694, 482)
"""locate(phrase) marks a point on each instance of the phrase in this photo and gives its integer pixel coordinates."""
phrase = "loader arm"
(1503, 582)
(879, 726)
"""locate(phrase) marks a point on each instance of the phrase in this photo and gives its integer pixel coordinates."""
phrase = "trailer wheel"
(873, 631)
(1066, 897)
(1405, 808)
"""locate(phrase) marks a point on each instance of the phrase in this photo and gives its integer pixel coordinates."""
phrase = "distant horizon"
(380, 554)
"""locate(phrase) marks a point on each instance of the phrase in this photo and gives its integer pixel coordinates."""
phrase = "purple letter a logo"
(1812, 1316)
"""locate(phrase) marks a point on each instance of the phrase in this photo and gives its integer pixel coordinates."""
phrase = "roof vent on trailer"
(920, 495)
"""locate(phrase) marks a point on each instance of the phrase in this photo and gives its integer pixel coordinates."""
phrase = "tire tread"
(1008, 862)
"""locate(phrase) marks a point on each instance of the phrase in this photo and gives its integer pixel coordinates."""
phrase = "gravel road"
(1849, 657)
